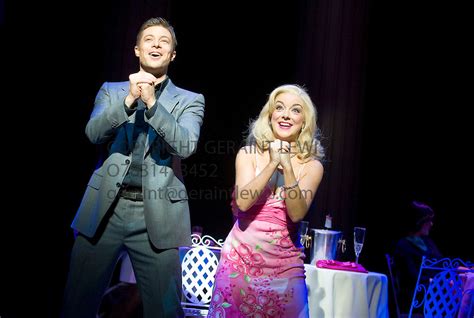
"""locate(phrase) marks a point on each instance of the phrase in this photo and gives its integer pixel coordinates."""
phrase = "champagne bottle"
(328, 222)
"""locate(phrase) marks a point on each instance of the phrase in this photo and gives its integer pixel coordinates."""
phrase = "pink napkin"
(344, 266)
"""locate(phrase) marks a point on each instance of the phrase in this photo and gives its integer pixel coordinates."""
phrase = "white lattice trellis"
(442, 296)
(198, 267)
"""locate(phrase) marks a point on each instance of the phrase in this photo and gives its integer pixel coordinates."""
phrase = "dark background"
(390, 82)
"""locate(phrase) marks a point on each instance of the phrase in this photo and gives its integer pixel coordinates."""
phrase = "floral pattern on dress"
(218, 305)
(244, 261)
(263, 304)
(281, 239)
(260, 267)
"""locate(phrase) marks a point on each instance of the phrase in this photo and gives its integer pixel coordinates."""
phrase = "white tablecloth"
(344, 294)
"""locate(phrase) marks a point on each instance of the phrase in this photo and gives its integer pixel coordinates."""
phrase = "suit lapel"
(169, 100)
(129, 126)
(169, 97)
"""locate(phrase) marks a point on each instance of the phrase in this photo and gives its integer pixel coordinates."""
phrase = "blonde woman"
(261, 270)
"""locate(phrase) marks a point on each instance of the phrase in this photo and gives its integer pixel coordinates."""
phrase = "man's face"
(155, 49)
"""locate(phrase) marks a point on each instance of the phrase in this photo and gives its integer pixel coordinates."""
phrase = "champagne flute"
(359, 235)
(303, 233)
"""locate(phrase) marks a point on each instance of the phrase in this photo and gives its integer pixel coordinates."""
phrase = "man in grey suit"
(136, 200)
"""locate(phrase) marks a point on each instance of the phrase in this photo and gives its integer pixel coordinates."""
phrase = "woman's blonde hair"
(308, 143)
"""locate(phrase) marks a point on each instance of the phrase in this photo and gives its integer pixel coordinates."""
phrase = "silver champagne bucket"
(324, 244)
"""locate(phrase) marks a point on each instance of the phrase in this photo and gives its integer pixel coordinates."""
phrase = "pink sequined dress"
(261, 269)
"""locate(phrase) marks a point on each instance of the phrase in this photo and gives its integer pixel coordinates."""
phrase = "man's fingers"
(145, 83)
(142, 77)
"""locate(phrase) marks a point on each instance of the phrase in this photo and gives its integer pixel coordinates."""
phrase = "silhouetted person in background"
(410, 250)
(136, 200)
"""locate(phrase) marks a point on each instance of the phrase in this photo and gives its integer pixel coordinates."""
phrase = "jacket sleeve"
(108, 114)
(180, 133)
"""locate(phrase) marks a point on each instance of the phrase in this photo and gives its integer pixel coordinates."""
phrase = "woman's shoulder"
(313, 164)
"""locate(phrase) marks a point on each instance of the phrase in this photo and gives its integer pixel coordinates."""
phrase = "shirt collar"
(161, 86)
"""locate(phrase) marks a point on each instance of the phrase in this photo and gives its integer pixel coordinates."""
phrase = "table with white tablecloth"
(345, 294)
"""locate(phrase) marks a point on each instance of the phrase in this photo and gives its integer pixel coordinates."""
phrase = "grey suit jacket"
(173, 134)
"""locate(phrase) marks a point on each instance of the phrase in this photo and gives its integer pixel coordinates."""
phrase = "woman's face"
(287, 119)
(426, 227)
